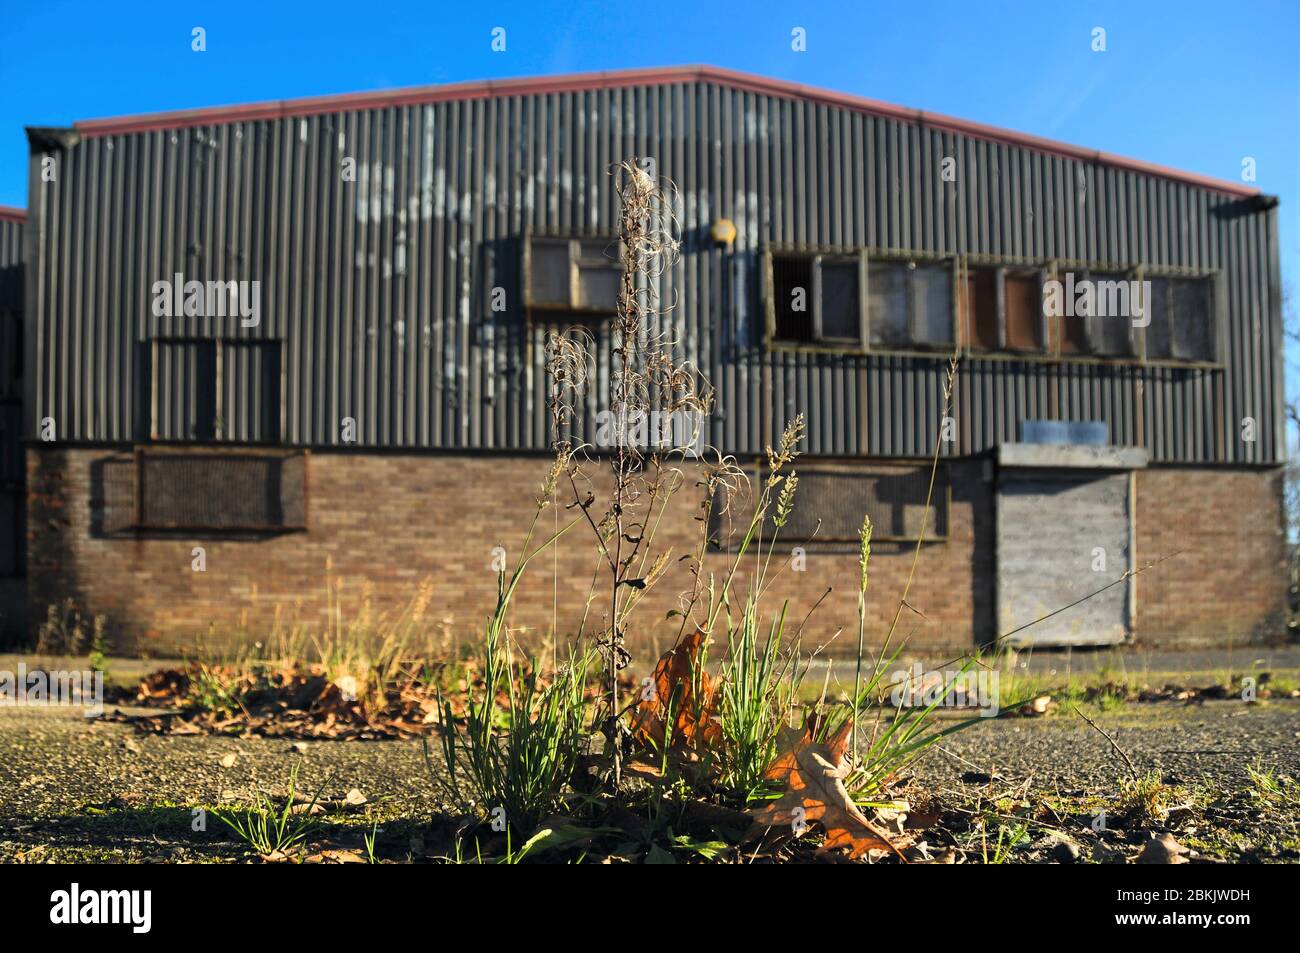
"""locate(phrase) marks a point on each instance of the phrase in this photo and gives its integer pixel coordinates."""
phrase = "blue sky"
(1194, 85)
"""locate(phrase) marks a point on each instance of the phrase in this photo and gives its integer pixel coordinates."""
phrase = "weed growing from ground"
(274, 829)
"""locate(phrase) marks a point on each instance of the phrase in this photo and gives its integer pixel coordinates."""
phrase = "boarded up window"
(893, 497)
(980, 309)
(1023, 296)
(210, 491)
(792, 298)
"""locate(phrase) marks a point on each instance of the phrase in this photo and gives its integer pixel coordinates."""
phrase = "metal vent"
(208, 491)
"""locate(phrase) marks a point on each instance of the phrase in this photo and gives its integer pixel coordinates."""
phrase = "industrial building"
(268, 332)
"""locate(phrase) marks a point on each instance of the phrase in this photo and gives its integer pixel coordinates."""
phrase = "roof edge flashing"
(619, 79)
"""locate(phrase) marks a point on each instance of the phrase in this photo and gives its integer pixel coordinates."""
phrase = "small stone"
(1065, 852)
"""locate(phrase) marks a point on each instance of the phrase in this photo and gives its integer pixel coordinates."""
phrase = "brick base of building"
(386, 529)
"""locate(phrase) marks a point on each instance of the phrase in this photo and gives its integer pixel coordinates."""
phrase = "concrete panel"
(1073, 456)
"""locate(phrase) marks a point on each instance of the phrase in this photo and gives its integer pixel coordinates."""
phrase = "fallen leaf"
(335, 857)
(1163, 850)
(677, 682)
(812, 776)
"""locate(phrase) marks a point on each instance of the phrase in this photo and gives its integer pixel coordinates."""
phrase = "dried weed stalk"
(656, 414)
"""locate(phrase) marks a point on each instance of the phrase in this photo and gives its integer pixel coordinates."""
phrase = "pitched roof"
(577, 82)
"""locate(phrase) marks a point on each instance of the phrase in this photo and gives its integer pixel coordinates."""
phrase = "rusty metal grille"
(894, 497)
(199, 491)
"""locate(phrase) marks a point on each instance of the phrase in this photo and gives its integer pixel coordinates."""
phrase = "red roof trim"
(11, 214)
(618, 79)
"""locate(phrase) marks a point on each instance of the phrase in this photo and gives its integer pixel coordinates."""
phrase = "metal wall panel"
(13, 466)
(378, 283)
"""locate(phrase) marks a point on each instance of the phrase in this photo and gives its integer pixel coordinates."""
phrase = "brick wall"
(1227, 584)
(382, 524)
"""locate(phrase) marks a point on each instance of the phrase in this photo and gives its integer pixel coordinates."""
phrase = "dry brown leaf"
(1163, 850)
(813, 775)
(693, 717)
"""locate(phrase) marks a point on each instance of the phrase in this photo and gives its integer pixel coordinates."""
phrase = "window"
(1003, 310)
(791, 291)
(1026, 326)
(887, 304)
(572, 274)
(980, 310)
(840, 313)
(910, 303)
(832, 500)
(1181, 319)
(216, 390)
(819, 299)
(1097, 311)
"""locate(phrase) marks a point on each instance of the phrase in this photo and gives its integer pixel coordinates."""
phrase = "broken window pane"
(792, 298)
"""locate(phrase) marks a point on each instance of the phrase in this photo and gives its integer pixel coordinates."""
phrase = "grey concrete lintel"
(1072, 456)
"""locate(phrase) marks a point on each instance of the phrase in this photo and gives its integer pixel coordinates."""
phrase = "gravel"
(84, 789)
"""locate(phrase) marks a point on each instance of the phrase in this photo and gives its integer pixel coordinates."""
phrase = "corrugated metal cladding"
(379, 288)
(12, 466)
(11, 356)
